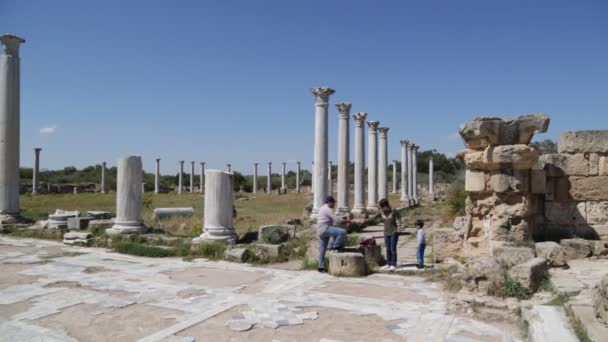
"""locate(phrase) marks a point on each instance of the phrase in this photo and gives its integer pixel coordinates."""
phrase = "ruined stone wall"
(576, 198)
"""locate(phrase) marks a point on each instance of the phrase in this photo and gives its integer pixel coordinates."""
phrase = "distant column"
(269, 179)
(415, 172)
(320, 171)
(10, 101)
(228, 168)
(36, 173)
(128, 197)
(283, 188)
(298, 177)
(372, 166)
(343, 157)
(202, 180)
(410, 173)
(219, 204)
(405, 198)
(383, 164)
(312, 177)
(359, 205)
(394, 177)
(157, 177)
(103, 177)
(330, 187)
(192, 176)
(255, 178)
(180, 185)
(431, 180)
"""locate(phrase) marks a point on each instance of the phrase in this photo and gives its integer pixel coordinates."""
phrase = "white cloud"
(48, 130)
(454, 136)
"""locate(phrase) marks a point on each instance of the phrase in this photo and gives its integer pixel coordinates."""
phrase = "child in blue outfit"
(420, 243)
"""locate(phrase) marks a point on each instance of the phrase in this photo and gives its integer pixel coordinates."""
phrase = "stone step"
(548, 323)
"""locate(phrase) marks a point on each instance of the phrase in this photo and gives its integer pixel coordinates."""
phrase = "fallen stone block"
(78, 223)
(237, 254)
(59, 220)
(77, 242)
(485, 131)
(161, 213)
(588, 188)
(530, 273)
(509, 256)
(551, 251)
(276, 233)
(448, 243)
(548, 324)
(101, 224)
(269, 250)
(100, 215)
(347, 264)
(483, 274)
(576, 248)
(77, 235)
(600, 300)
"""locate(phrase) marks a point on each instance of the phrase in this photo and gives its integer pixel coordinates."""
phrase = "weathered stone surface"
(597, 213)
(516, 156)
(100, 215)
(594, 164)
(77, 223)
(77, 235)
(268, 249)
(372, 254)
(566, 212)
(509, 256)
(557, 165)
(518, 182)
(589, 188)
(484, 131)
(600, 248)
(171, 212)
(448, 243)
(483, 273)
(530, 273)
(576, 248)
(538, 182)
(101, 224)
(603, 166)
(60, 218)
(600, 300)
(601, 231)
(461, 223)
(275, 233)
(237, 254)
(548, 323)
(347, 264)
(551, 251)
(474, 181)
(583, 142)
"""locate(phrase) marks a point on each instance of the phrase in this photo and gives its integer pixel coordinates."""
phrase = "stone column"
(228, 168)
(431, 180)
(269, 179)
(410, 173)
(255, 178)
(343, 157)
(312, 178)
(383, 165)
(128, 197)
(202, 180)
(330, 187)
(283, 187)
(394, 191)
(36, 170)
(320, 170)
(10, 102)
(180, 185)
(372, 166)
(298, 177)
(157, 177)
(359, 205)
(103, 177)
(219, 203)
(415, 173)
(191, 176)
(405, 164)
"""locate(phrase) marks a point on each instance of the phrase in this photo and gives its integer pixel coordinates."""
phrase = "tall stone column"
(36, 173)
(320, 170)
(405, 164)
(383, 164)
(192, 176)
(157, 177)
(312, 178)
(180, 185)
(103, 177)
(330, 187)
(128, 197)
(343, 157)
(431, 180)
(298, 177)
(269, 178)
(359, 205)
(10, 117)
(283, 187)
(228, 168)
(394, 191)
(255, 178)
(372, 166)
(219, 203)
(415, 173)
(410, 173)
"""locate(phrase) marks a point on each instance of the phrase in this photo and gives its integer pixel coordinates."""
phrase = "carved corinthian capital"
(10, 44)
(322, 94)
(373, 126)
(405, 143)
(383, 131)
(359, 118)
(343, 109)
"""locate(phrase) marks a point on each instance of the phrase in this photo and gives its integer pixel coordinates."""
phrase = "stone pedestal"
(128, 197)
(191, 176)
(343, 158)
(383, 164)
(157, 177)
(10, 101)
(36, 173)
(405, 198)
(180, 183)
(349, 264)
(359, 205)
(219, 203)
(372, 167)
(255, 178)
(320, 163)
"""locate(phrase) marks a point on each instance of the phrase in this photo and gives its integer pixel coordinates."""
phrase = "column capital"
(416, 147)
(157, 160)
(10, 44)
(359, 118)
(269, 163)
(405, 143)
(383, 131)
(322, 94)
(203, 163)
(37, 149)
(412, 146)
(181, 162)
(284, 163)
(298, 162)
(373, 126)
(256, 164)
(192, 162)
(343, 109)
(103, 163)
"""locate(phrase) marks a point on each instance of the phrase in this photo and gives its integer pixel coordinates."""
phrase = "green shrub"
(456, 200)
(211, 250)
(512, 288)
(138, 249)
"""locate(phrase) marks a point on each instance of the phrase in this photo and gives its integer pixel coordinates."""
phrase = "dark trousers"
(390, 241)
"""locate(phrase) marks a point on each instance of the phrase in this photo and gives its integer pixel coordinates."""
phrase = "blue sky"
(228, 81)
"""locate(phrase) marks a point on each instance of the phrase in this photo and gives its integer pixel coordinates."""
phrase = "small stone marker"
(349, 264)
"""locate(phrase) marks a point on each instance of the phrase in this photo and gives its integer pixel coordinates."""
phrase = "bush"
(138, 249)
(512, 288)
(212, 250)
(456, 200)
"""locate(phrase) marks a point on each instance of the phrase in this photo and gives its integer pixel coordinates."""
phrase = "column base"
(6, 219)
(126, 227)
(205, 237)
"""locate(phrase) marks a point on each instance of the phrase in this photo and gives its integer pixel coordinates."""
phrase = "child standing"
(420, 243)
(391, 220)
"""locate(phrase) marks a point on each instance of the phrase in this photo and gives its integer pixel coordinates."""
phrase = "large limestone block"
(275, 233)
(518, 156)
(566, 212)
(509, 256)
(475, 181)
(583, 142)
(548, 323)
(349, 264)
(600, 300)
(237, 254)
(447, 243)
(483, 273)
(538, 182)
(485, 131)
(530, 273)
(161, 213)
(557, 165)
(576, 248)
(519, 181)
(597, 213)
(551, 251)
(462, 223)
(603, 166)
(589, 188)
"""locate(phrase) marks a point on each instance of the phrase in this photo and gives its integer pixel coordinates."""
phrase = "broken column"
(180, 184)
(359, 205)
(255, 178)
(498, 159)
(219, 204)
(9, 128)
(320, 167)
(128, 197)
(36, 173)
(157, 177)
(372, 166)
(383, 164)
(343, 204)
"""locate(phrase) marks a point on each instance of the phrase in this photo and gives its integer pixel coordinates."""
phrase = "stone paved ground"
(50, 292)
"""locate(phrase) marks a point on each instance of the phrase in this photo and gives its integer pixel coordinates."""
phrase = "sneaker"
(419, 267)
(322, 270)
(391, 268)
(384, 268)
